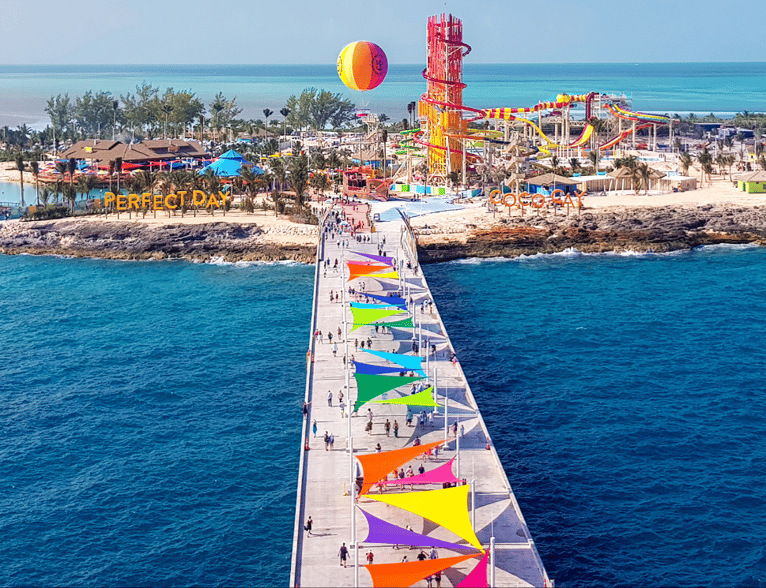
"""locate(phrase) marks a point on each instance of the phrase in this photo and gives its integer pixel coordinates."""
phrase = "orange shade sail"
(401, 575)
(377, 466)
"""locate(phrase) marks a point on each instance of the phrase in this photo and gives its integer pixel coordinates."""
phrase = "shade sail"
(377, 466)
(365, 316)
(387, 299)
(447, 507)
(438, 475)
(387, 276)
(410, 362)
(424, 398)
(357, 270)
(478, 577)
(381, 531)
(405, 324)
(372, 386)
(368, 368)
(401, 575)
(380, 258)
(365, 305)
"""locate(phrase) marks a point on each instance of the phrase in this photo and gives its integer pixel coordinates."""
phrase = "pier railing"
(298, 537)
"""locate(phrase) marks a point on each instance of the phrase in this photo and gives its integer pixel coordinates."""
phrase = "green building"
(753, 183)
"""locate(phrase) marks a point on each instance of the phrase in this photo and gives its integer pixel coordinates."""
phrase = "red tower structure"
(441, 108)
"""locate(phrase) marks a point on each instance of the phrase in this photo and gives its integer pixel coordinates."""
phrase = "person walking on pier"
(309, 525)
(314, 428)
(329, 398)
(343, 553)
(334, 350)
(396, 429)
(387, 427)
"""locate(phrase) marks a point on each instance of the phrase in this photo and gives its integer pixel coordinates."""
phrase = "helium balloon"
(362, 65)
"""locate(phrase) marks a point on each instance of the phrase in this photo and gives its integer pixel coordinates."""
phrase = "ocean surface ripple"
(625, 396)
(151, 421)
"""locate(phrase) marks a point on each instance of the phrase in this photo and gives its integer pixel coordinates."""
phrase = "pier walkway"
(325, 489)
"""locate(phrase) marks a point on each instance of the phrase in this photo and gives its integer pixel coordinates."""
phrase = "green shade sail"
(404, 324)
(372, 386)
(365, 316)
(424, 398)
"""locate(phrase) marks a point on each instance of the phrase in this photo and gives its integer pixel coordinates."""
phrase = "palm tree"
(285, 112)
(35, 165)
(279, 174)
(644, 175)
(167, 108)
(705, 160)
(267, 113)
(20, 165)
(686, 162)
(44, 196)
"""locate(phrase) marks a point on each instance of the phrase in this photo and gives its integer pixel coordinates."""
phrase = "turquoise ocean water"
(657, 87)
(151, 414)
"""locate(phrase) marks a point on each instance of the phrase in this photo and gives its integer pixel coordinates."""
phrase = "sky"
(311, 32)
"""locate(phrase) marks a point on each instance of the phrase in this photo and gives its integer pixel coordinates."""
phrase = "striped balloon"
(362, 65)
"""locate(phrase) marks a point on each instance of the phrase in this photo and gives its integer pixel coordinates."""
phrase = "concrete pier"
(325, 473)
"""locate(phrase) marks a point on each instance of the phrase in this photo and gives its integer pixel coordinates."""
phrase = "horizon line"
(395, 64)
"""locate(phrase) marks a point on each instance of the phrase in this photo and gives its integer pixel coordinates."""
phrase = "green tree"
(278, 172)
(298, 178)
(94, 113)
(61, 113)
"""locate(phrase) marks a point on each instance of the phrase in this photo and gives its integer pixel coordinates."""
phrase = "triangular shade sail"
(447, 507)
(478, 577)
(387, 299)
(388, 276)
(357, 270)
(379, 258)
(436, 476)
(383, 532)
(368, 368)
(424, 398)
(372, 386)
(365, 305)
(401, 575)
(365, 316)
(410, 362)
(406, 323)
(377, 466)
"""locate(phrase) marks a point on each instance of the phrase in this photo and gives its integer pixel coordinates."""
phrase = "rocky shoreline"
(230, 242)
(656, 229)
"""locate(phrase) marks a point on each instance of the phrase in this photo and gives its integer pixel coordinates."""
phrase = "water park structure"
(453, 145)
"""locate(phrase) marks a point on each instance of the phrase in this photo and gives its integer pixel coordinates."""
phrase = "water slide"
(621, 136)
(636, 116)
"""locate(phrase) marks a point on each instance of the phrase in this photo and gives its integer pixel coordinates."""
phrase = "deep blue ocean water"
(151, 418)
(723, 88)
(626, 398)
(151, 414)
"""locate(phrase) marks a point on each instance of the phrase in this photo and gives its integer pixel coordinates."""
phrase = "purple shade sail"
(387, 533)
(380, 258)
(436, 476)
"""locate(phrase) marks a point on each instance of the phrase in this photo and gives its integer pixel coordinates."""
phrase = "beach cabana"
(753, 183)
(546, 183)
